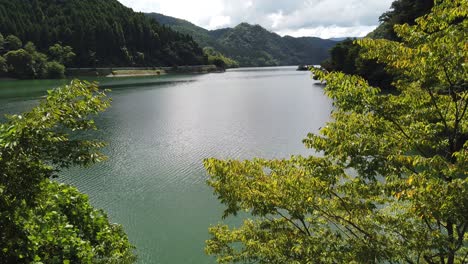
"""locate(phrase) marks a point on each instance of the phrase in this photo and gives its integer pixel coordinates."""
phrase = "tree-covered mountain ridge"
(253, 45)
(101, 33)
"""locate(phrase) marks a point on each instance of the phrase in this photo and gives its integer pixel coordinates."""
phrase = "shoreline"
(140, 71)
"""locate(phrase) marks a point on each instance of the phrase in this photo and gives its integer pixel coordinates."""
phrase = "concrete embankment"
(140, 71)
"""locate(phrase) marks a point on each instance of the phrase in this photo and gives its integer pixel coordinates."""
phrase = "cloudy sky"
(320, 18)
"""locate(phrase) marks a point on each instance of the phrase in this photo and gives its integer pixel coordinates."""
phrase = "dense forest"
(253, 45)
(25, 62)
(101, 33)
(345, 55)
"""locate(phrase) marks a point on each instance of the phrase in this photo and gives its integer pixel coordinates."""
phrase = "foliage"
(252, 45)
(2, 42)
(98, 32)
(20, 63)
(42, 221)
(39, 61)
(55, 70)
(200, 35)
(12, 43)
(345, 56)
(218, 59)
(61, 54)
(28, 63)
(401, 12)
(392, 184)
(3, 66)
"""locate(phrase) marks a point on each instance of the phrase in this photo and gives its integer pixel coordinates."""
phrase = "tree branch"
(292, 222)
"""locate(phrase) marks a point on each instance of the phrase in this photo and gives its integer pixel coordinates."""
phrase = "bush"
(3, 66)
(61, 54)
(2, 42)
(55, 70)
(20, 64)
(13, 43)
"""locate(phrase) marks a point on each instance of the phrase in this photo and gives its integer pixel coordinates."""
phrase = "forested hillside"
(202, 36)
(253, 45)
(101, 33)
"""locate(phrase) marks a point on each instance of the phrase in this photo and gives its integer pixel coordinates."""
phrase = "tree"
(2, 43)
(12, 43)
(39, 61)
(3, 66)
(402, 11)
(20, 64)
(103, 27)
(392, 184)
(55, 70)
(42, 221)
(30, 48)
(62, 54)
(345, 55)
(216, 58)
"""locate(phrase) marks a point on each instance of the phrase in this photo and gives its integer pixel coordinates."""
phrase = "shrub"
(55, 70)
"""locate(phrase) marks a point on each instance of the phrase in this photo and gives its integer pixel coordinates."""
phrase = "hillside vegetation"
(101, 33)
(25, 62)
(253, 45)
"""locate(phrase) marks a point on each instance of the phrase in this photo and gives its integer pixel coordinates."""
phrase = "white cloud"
(248, 4)
(329, 32)
(317, 17)
(276, 19)
(219, 21)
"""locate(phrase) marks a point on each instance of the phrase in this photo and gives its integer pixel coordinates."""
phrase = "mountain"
(200, 35)
(253, 45)
(344, 38)
(101, 33)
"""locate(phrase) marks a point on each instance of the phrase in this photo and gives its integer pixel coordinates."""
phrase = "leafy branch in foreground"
(392, 184)
(42, 221)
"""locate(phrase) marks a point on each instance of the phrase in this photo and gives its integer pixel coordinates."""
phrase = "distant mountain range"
(253, 45)
(343, 38)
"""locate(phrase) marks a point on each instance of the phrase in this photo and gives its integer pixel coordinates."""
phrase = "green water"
(160, 129)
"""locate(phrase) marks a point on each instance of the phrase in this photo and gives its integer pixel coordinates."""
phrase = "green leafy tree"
(2, 43)
(12, 43)
(30, 48)
(392, 184)
(217, 58)
(39, 61)
(3, 66)
(20, 64)
(62, 54)
(55, 70)
(42, 221)
(401, 12)
(345, 56)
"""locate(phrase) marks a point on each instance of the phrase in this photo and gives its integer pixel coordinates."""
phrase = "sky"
(297, 18)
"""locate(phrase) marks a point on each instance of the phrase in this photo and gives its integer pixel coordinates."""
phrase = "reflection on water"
(159, 131)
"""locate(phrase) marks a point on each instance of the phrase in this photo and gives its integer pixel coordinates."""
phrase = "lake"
(160, 129)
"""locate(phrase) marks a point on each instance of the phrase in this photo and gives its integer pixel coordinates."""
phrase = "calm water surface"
(159, 131)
